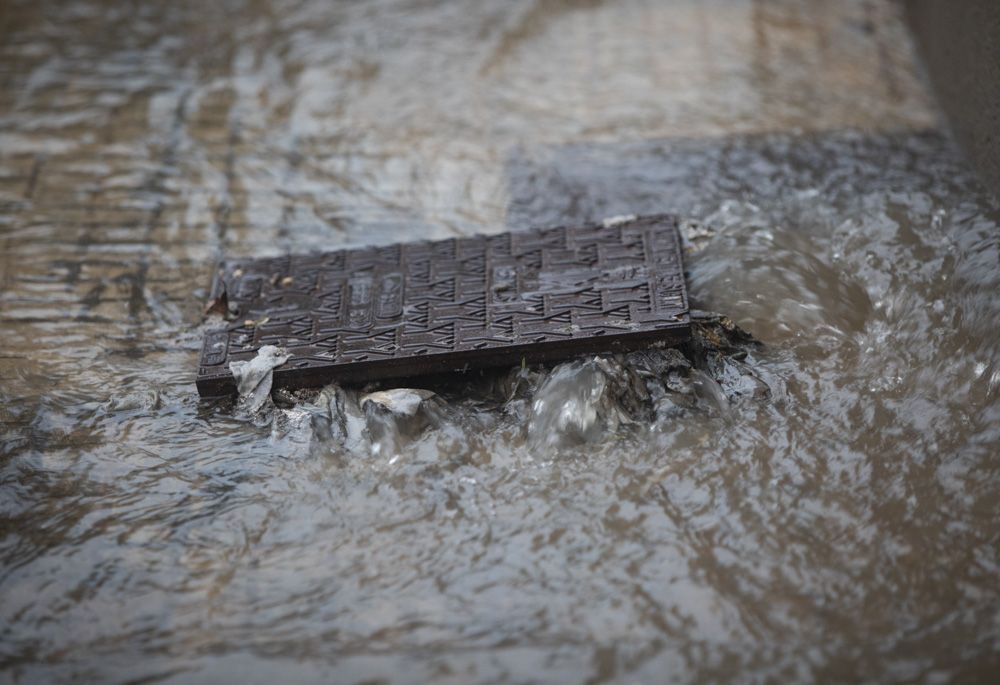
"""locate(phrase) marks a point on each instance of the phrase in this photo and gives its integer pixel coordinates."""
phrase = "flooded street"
(844, 526)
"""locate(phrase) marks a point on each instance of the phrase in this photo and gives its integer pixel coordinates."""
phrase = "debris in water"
(219, 304)
(252, 323)
(254, 377)
(717, 333)
(696, 235)
(617, 220)
(400, 401)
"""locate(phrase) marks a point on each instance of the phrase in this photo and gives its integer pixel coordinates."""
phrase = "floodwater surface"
(842, 526)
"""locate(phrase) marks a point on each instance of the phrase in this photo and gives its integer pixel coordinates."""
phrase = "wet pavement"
(843, 528)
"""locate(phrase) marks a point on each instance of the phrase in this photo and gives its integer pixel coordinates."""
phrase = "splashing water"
(581, 401)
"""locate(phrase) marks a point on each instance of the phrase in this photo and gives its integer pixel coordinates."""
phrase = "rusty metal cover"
(417, 308)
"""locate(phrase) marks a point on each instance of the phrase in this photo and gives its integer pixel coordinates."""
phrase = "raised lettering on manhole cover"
(418, 308)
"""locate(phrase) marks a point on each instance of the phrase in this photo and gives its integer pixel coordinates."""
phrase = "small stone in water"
(402, 401)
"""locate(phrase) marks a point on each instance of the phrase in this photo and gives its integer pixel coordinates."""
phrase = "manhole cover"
(412, 309)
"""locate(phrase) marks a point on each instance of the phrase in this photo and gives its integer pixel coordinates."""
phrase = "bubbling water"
(557, 408)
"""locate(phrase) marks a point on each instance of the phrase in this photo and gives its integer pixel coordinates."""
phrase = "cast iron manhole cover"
(417, 308)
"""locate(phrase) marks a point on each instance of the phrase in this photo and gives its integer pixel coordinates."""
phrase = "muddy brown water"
(845, 530)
